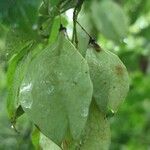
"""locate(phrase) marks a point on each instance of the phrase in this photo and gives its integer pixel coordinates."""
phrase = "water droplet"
(116, 48)
(85, 112)
(60, 73)
(26, 88)
(7, 54)
(15, 25)
(26, 96)
(50, 89)
(27, 102)
(35, 26)
(12, 126)
(125, 40)
(45, 82)
(112, 111)
(80, 142)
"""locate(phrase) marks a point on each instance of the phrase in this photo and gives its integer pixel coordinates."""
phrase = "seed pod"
(110, 79)
(97, 132)
(57, 90)
(96, 135)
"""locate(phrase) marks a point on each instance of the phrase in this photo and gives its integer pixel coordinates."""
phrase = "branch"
(75, 16)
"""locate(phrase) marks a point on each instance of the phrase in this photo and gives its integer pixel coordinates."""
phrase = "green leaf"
(55, 28)
(12, 92)
(145, 33)
(16, 40)
(18, 13)
(54, 2)
(110, 79)
(53, 8)
(67, 4)
(97, 133)
(19, 112)
(35, 137)
(110, 19)
(15, 74)
(136, 9)
(49, 12)
(2, 79)
(58, 84)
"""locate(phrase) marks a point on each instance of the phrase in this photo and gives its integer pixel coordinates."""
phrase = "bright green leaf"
(15, 74)
(55, 28)
(35, 137)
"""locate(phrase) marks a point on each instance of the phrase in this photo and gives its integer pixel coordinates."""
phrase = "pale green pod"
(97, 133)
(57, 90)
(47, 144)
(110, 79)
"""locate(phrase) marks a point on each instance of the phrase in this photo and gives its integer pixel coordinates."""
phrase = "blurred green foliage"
(130, 127)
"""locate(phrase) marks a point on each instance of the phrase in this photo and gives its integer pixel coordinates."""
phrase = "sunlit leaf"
(16, 71)
(55, 28)
(35, 137)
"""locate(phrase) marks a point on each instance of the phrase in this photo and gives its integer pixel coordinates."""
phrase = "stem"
(84, 29)
(92, 40)
(74, 37)
(75, 16)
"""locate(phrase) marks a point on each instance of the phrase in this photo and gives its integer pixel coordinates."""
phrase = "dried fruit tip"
(93, 43)
(62, 28)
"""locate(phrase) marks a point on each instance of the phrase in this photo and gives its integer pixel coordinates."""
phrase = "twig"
(84, 29)
(92, 40)
(75, 16)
